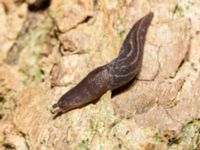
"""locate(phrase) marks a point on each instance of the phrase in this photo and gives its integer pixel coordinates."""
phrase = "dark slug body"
(112, 75)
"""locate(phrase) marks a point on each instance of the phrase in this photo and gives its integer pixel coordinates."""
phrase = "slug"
(113, 75)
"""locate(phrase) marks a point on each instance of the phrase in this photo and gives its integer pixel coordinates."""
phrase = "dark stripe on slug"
(112, 75)
(127, 65)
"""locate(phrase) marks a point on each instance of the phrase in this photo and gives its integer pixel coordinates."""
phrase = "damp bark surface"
(46, 52)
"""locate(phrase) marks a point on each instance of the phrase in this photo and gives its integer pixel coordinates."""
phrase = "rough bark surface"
(43, 54)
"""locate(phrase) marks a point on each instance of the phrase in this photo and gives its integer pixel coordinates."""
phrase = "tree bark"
(45, 53)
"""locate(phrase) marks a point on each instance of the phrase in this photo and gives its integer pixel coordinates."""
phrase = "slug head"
(95, 84)
(68, 101)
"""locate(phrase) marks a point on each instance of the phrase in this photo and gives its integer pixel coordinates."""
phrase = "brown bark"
(44, 54)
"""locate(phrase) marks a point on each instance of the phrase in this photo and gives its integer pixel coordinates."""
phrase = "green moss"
(192, 134)
(38, 74)
(85, 144)
(122, 34)
(190, 137)
(178, 10)
(158, 137)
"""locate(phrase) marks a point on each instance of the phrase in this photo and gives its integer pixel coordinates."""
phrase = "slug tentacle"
(112, 75)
